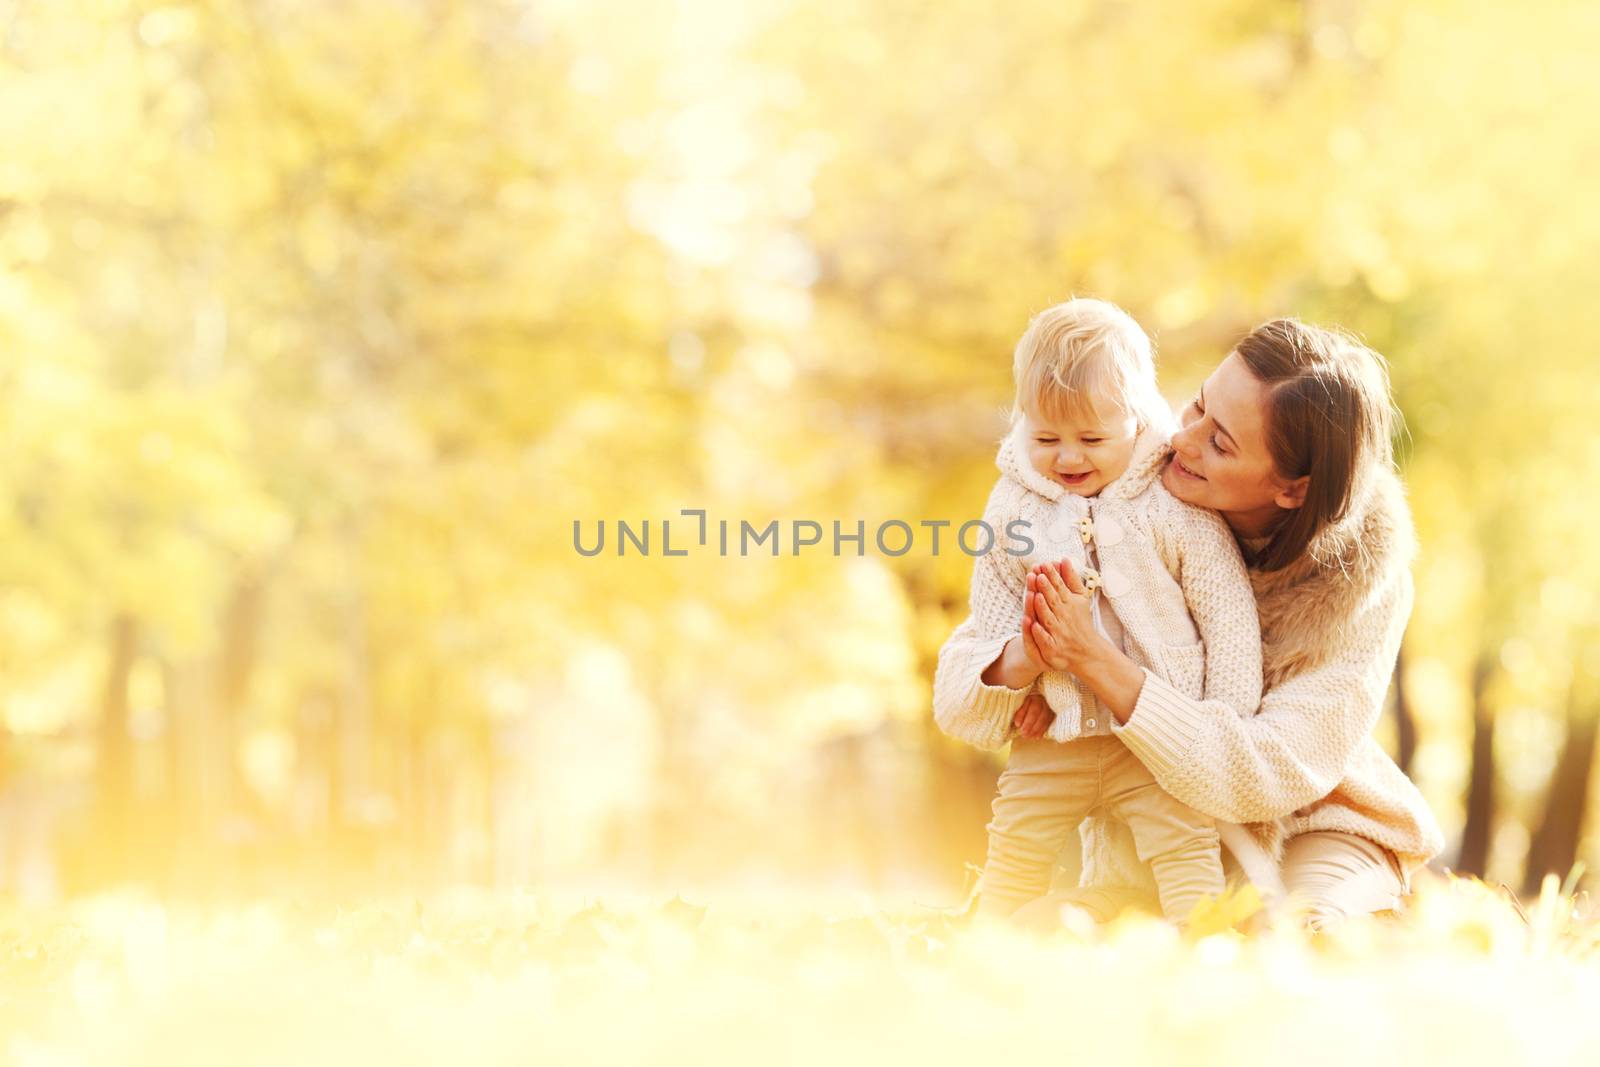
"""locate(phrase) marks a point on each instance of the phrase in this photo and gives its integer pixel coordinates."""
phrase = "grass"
(1465, 977)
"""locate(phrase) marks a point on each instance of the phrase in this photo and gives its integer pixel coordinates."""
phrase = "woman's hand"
(1062, 624)
(1065, 634)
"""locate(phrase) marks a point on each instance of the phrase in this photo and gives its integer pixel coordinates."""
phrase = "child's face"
(1085, 451)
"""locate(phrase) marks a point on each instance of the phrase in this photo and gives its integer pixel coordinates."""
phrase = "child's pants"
(1329, 877)
(1048, 787)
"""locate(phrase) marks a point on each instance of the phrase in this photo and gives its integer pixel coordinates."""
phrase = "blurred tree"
(323, 322)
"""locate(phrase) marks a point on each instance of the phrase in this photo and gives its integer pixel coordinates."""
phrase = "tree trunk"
(236, 661)
(353, 716)
(1405, 723)
(317, 781)
(352, 794)
(167, 856)
(1555, 843)
(114, 766)
(1474, 855)
(194, 787)
(415, 802)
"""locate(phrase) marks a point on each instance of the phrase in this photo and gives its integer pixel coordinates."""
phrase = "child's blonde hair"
(1081, 354)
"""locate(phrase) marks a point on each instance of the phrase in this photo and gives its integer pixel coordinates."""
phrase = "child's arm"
(1216, 587)
(964, 705)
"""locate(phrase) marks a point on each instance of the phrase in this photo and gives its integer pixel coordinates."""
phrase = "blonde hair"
(1078, 355)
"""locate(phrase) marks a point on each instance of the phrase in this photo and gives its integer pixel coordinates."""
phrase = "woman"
(1289, 440)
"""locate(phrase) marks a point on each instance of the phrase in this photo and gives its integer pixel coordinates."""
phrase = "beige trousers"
(1329, 876)
(1049, 787)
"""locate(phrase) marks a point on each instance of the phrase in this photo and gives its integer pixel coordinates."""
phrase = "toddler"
(1081, 467)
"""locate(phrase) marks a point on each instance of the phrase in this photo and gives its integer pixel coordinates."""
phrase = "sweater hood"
(1149, 456)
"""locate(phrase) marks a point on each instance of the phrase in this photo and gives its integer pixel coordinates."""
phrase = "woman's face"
(1220, 457)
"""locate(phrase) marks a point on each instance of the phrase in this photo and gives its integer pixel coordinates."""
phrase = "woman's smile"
(1185, 471)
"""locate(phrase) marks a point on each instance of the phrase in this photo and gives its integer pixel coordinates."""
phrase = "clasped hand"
(1057, 629)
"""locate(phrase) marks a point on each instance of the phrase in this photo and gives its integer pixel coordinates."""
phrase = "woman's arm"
(1291, 753)
(1216, 590)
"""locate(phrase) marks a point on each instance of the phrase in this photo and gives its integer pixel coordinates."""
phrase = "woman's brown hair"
(1329, 419)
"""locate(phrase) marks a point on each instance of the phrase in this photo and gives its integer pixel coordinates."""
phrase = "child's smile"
(1082, 451)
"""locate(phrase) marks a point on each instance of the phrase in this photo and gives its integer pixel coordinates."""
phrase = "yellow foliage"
(508, 978)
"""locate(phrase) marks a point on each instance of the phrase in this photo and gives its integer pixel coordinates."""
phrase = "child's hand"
(1030, 619)
(1034, 717)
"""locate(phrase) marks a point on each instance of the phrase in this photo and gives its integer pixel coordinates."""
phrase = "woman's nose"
(1183, 442)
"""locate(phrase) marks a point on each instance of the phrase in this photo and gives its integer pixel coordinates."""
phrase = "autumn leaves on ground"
(513, 979)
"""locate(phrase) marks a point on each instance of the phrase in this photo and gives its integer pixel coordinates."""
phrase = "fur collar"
(1307, 607)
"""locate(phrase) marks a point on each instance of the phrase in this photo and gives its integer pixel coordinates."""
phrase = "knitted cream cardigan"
(1172, 572)
(1331, 625)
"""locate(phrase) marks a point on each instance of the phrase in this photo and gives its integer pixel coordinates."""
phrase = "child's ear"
(1293, 493)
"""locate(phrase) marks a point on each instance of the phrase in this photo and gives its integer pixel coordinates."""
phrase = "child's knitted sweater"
(1173, 573)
